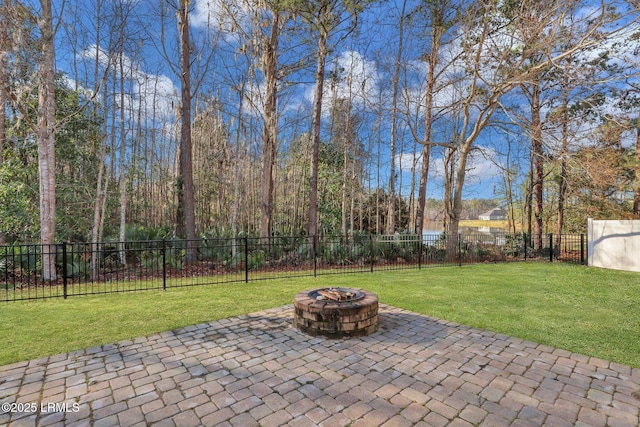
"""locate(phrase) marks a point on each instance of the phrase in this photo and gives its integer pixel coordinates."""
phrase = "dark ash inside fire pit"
(336, 312)
(336, 294)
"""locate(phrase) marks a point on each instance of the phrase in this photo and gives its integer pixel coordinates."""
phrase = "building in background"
(495, 214)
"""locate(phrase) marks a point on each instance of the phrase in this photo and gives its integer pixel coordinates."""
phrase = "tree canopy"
(334, 117)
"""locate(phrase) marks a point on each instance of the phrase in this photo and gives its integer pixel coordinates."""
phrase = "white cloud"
(223, 16)
(349, 76)
(73, 84)
(481, 165)
(255, 93)
(353, 77)
(154, 94)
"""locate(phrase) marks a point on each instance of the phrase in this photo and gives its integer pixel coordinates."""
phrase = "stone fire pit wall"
(336, 319)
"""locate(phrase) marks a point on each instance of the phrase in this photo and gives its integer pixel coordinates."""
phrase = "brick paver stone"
(257, 370)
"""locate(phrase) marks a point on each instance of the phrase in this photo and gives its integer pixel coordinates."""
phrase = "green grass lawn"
(584, 310)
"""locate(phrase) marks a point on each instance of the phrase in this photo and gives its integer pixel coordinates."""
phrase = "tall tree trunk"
(391, 223)
(456, 207)
(186, 151)
(315, 132)
(424, 173)
(473, 124)
(345, 165)
(528, 226)
(538, 163)
(4, 93)
(562, 183)
(508, 182)
(449, 179)
(432, 60)
(412, 197)
(511, 219)
(352, 208)
(378, 169)
(636, 191)
(96, 235)
(236, 183)
(46, 143)
(342, 130)
(269, 129)
(123, 166)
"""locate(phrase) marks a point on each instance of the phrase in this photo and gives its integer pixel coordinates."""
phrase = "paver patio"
(257, 370)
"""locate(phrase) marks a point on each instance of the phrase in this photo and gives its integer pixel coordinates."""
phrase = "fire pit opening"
(336, 312)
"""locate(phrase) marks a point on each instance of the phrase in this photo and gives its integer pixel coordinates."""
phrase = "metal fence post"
(164, 264)
(550, 247)
(420, 247)
(64, 270)
(246, 259)
(459, 250)
(582, 249)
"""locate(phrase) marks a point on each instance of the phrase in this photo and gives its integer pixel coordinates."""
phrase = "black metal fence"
(70, 269)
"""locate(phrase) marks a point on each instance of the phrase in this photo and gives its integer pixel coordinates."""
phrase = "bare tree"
(122, 175)
(537, 151)
(101, 185)
(320, 19)
(186, 151)
(636, 191)
(269, 61)
(494, 69)
(395, 79)
(190, 80)
(564, 118)
(260, 26)
(5, 22)
(46, 141)
(324, 17)
(441, 22)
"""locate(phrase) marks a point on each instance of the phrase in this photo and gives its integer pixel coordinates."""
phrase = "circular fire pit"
(336, 312)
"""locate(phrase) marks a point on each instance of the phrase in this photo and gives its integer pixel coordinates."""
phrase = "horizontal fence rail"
(71, 269)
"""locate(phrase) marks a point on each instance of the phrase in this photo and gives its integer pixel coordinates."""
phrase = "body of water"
(434, 229)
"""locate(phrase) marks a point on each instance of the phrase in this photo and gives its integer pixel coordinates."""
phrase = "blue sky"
(154, 87)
